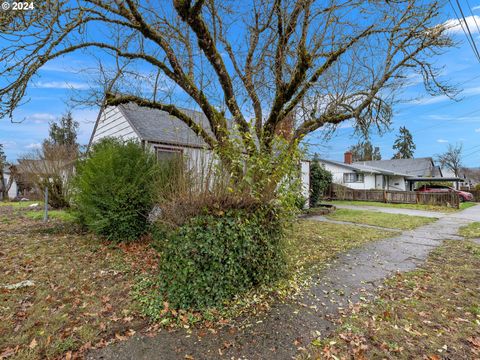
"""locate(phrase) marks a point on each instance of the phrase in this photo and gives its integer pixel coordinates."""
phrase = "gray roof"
(159, 126)
(419, 167)
(358, 167)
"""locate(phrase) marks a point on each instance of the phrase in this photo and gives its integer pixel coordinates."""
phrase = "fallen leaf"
(120, 337)
(33, 344)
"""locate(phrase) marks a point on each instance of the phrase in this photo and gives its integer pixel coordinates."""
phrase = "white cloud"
(442, 141)
(61, 85)
(477, 130)
(33, 146)
(476, 8)
(455, 25)
(39, 118)
(8, 144)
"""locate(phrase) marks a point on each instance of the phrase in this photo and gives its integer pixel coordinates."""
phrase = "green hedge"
(213, 257)
(115, 189)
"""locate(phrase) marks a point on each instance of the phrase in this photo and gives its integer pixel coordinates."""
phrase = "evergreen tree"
(64, 132)
(364, 151)
(404, 144)
(320, 179)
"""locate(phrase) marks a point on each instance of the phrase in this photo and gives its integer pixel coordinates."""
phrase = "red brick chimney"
(348, 157)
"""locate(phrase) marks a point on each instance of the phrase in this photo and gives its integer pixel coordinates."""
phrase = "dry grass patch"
(80, 293)
(431, 313)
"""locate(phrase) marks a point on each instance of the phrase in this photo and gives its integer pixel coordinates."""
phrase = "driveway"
(285, 329)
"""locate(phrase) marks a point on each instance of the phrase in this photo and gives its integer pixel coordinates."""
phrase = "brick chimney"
(348, 157)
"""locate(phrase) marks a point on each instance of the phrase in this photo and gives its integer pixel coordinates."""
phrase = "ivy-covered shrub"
(115, 189)
(217, 255)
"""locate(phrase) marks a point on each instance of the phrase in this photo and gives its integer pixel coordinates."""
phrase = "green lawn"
(394, 221)
(314, 242)
(52, 214)
(429, 313)
(20, 204)
(471, 230)
(463, 206)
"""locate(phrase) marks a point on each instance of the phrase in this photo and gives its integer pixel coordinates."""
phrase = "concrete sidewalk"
(278, 333)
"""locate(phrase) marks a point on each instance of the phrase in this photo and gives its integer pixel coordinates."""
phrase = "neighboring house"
(13, 191)
(396, 174)
(364, 177)
(469, 177)
(164, 134)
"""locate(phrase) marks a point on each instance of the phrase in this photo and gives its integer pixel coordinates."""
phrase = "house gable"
(111, 122)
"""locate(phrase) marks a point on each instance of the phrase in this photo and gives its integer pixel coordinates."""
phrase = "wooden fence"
(340, 192)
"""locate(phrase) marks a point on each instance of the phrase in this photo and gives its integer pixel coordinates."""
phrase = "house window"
(170, 159)
(168, 154)
(353, 178)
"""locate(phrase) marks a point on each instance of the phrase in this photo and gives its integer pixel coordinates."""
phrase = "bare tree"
(52, 168)
(452, 158)
(254, 62)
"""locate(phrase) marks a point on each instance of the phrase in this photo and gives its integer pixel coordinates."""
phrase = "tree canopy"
(404, 144)
(365, 151)
(251, 63)
(64, 131)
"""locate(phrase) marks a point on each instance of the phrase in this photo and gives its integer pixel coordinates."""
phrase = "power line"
(473, 16)
(466, 29)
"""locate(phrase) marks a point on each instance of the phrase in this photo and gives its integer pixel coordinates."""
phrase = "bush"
(320, 180)
(114, 189)
(215, 256)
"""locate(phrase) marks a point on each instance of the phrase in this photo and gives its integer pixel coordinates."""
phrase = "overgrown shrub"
(320, 180)
(114, 189)
(217, 255)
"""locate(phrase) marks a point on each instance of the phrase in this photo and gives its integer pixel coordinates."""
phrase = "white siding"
(113, 124)
(12, 192)
(337, 177)
(305, 180)
(396, 183)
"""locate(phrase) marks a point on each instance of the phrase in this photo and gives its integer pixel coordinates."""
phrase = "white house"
(164, 134)
(364, 177)
(395, 174)
(13, 191)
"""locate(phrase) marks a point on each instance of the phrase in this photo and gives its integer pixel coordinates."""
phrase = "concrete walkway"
(280, 332)
(392, 210)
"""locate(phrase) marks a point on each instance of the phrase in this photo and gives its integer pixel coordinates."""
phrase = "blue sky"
(434, 122)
